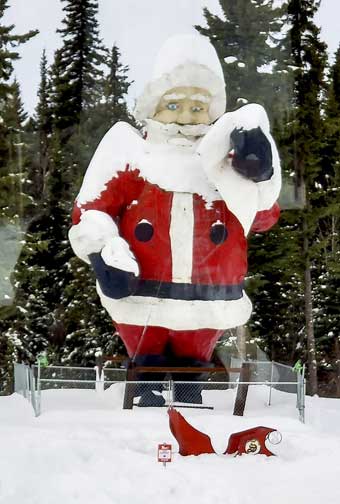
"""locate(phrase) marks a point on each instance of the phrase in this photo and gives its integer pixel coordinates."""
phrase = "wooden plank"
(175, 369)
(115, 358)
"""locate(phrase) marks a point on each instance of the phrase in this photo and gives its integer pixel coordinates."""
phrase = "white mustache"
(173, 129)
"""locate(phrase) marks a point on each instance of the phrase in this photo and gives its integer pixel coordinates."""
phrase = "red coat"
(178, 241)
(210, 259)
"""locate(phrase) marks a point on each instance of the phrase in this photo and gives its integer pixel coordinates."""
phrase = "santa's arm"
(240, 157)
(108, 187)
(266, 219)
(94, 226)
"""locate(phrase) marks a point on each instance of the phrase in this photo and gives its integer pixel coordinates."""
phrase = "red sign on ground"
(164, 453)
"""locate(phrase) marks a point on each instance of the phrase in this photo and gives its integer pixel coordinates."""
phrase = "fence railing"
(271, 376)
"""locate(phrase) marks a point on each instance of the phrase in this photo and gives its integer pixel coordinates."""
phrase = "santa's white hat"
(184, 60)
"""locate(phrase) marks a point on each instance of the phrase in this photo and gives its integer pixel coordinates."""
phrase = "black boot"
(189, 392)
(144, 388)
(150, 399)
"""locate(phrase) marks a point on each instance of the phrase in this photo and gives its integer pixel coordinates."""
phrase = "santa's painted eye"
(196, 109)
(172, 106)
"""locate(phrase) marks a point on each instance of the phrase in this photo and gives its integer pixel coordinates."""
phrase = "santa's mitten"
(116, 269)
(252, 154)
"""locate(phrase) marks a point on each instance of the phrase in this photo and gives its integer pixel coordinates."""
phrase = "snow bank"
(85, 448)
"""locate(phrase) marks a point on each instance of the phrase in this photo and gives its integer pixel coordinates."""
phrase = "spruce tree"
(92, 331)
(116, 86)
(11, 118)
(309, 57)
(8, 53)
(250, 37)
(327, 294)
(78, 63)
(275, 286)
(112, 106)
(13, 180)
(14, 190)
(248, 42)
(66, 93)
(51, 305)
(43, 125)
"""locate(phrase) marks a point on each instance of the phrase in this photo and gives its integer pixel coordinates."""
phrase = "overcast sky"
(138, 27)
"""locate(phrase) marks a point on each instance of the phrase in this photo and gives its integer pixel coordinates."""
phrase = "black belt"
(117, 284)
(188, 292)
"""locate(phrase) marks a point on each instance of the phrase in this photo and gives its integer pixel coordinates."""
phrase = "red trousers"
(198, 344)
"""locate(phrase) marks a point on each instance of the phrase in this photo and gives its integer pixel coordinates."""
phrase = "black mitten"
(114, 283)
(252, 154)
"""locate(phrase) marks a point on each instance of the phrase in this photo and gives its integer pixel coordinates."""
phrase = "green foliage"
(276, 289)
(8, 54)
(89, 331)
(250, 43)
(13, 179)
(327, 271)
(77, 68)
(56, 309)
(14, 183)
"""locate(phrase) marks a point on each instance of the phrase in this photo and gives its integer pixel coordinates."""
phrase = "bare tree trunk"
(311, 358)
(241, 341)
(43, 168)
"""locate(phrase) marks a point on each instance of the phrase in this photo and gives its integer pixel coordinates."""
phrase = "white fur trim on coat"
(93, 232)
(177, 314)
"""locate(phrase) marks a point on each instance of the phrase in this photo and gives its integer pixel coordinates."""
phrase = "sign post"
(164, 453)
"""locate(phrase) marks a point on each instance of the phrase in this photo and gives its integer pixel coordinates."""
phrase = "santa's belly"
(178, 238)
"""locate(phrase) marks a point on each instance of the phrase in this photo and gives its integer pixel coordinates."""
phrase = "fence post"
(99, 379)
(271, 381)
(27, 391)
(31, 384)
(39, 387)
(301, 394)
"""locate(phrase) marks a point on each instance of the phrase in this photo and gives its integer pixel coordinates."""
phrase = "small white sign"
(164, 453)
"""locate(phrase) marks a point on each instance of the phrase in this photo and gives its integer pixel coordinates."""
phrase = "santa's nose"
(185, 117)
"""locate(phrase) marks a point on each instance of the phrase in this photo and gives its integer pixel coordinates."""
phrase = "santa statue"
(163, 217)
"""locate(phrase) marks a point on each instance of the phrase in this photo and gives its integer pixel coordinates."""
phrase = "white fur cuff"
(94, 230)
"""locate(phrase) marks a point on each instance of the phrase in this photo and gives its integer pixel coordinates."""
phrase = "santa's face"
(185, 106)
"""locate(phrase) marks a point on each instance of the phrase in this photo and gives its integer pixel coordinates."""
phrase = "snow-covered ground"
(85, 449)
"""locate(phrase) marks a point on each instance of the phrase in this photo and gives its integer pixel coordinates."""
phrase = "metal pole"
(303, 394)
(171, 393)
(270, 387)
(39, 387)
(99, 379)
(32, 389)
(301, 384)
(27, 391)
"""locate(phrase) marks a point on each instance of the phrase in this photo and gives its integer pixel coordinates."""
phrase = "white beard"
(170, 160)
(183, 135)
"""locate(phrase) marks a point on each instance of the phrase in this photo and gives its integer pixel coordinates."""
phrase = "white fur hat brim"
(184, 61)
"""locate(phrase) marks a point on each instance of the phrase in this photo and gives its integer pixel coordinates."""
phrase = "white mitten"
(116, 253)
(94, 230)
